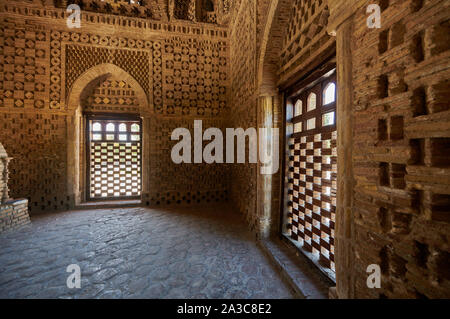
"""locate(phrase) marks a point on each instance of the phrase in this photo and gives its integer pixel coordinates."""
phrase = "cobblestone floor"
(137, 253)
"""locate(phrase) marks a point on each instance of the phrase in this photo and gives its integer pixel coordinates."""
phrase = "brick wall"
(243, 104)
(182, 67)
(401, 142)
(14, 214)
(401, 197)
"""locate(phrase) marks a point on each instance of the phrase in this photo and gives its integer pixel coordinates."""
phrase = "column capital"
(340, 11)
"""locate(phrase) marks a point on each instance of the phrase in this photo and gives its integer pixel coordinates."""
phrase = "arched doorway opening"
(102, 160)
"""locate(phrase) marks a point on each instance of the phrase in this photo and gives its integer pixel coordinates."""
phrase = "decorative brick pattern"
(81, 58)
(243, 103)
(183, 184)
(38, 144)
(305, 35)
(195, 74)
(112, 95)
(23, 65)
(401, 133)
(42, 53)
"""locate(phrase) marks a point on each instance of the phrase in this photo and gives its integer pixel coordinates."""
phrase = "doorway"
(113, 157)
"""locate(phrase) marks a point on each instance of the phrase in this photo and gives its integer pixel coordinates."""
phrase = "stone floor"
(137, 253)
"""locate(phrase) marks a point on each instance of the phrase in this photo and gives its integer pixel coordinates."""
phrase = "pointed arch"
(89, 79)
(83, 86)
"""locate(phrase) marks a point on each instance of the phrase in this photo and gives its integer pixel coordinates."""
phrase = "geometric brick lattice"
(112, 95)
(311, 183)
(312, 193)
(115, 159)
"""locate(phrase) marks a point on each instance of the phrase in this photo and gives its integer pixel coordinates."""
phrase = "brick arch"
(89, 79)
(82, 86)
(273, 30)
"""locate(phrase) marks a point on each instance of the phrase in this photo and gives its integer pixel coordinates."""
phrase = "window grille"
(312, 171)
(114, 158)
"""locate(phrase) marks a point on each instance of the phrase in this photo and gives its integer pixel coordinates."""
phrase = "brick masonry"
(399, 214)
(180, 66)
(401, 142)
(399, 199)
(14, 214)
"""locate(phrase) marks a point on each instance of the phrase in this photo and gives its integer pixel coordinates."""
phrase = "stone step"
(109, 204)
(296, 270)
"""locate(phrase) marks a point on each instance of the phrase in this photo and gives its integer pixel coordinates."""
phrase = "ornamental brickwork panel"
(112, 95)
(182, 68)
(24, 76)
(401, 147)
(243, 103)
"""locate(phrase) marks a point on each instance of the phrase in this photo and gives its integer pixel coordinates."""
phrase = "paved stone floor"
(137, 253)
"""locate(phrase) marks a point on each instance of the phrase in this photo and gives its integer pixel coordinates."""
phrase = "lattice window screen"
(312, 171)
(114, 159)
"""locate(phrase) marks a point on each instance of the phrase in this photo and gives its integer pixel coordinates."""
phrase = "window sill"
(331, 275)
(297, 270)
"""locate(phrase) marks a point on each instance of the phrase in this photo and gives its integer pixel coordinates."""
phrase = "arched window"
(312, 102)
(122, 127)
(329, 94)
(135, 128)
(97, 127)
(110, 127)
(298, 110)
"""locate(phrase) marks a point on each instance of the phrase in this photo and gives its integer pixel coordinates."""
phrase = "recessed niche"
(416, 5)
(382, 130)
(396, 129)
(384, 4)
(384, 260)
(416, 48)
(440, 207)
(419, 102)
(384, 174)
(383, 41)
(398, 264)
(384, 219)
(438, 38)
(383, 86)
(421, 254)
(440, 152)
(397, 34)
(442, 264)
(417, 198)
(398, 172)
(417, 152)
(440, 97)
(401, 223)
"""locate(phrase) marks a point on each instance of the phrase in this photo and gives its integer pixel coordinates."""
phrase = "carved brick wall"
(37, 141)
(401, 147)
(183, 73)
(243, 103)
(183, 184)
(112, 95)
(149, 9)
(195, 77)
(305, 37)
